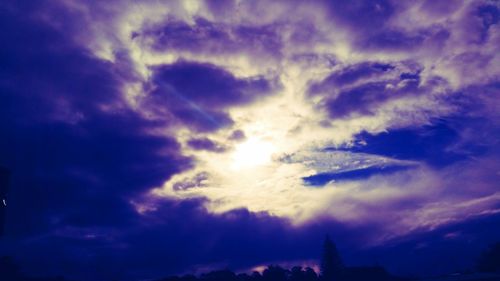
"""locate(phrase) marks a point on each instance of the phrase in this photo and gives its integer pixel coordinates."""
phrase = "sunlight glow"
(252, 153)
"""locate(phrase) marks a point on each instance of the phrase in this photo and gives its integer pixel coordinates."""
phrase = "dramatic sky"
(148, 138)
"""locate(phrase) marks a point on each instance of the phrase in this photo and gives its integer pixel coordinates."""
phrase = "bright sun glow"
(252, 153)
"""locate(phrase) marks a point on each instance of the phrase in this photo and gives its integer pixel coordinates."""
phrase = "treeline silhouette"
(297, 273)
(331, 269)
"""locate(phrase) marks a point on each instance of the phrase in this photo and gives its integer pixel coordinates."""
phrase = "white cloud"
(290, 123)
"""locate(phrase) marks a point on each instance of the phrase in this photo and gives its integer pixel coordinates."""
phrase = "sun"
(252, 153)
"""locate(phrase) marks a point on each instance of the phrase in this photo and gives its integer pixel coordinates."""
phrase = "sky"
(149, 138)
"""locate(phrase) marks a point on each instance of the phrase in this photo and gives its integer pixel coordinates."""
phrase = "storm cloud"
(146, 138)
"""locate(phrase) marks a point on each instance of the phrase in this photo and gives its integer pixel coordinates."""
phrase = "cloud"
(125, 126)
(205, 144)
(71, 144)
(401, 40)
(208, 37)
(349, 75)
(178, 237)
(201, 105)
(377, 14)
(363, 173)
(432, 143)
(362, 88)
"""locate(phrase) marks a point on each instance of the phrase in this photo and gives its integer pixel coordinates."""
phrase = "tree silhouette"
(275, 273)
(310, 274)
(332, 269)
(256, 276)
(299, 274)
(219, 275)
(331, 264)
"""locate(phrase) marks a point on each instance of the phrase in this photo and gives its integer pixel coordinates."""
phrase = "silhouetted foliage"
(332, 268)
(256, 276)
(373, 273)
(489, 261)
(299, 274)
(331, 264)
(243, 277)
(310, 274)
(219, 275)
(275, 273)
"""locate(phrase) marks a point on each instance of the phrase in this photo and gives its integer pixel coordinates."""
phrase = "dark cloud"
(213, 38)
(78, 157)
(393, 39)
(441, 8)
(179, 237)
(357, 174)
(450, 248)
(410, 76)
(201, 105)
(81, 159)
(365, 98)
(375, 14)
(194, 182)
(349, 75)
(221, 7)
(374, 31)
(76, 154)
(438, 144)
(489, 15)
(362, 88)
(205, 144)
(237, 135)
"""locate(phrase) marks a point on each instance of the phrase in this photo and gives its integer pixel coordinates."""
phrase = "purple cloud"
(126, 128)
(376, 14)
(67, 155)
(402, 40)
(213, 38)
(205, 144)
(198, 94)
(344, 92)
(349, 75)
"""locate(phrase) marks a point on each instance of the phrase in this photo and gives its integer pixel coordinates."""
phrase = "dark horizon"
(149, 138)
(330, 267)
